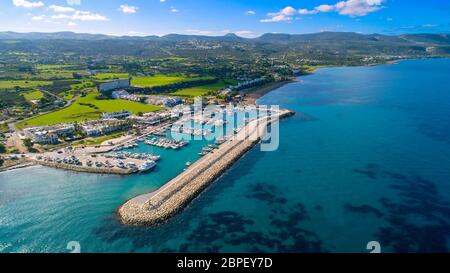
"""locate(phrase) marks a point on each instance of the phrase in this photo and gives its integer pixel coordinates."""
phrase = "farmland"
(161, 80)
(203, 90)
(33, 95)
(87, 108)
(110, 76)
(23, 84)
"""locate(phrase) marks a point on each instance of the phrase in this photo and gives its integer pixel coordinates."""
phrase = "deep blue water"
(367, 158)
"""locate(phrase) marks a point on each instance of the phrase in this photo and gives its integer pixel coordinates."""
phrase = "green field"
(87, 108)
(33, 95)
(203, 90)
(54, 66)
(161, 80)
(83, 86)
(98, 140)
(23, 84)
(111, 76)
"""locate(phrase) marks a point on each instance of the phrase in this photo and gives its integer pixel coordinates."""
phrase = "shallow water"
(368, 159)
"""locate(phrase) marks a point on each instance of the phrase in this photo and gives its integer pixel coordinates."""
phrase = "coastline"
(19, 165)
(251, 97)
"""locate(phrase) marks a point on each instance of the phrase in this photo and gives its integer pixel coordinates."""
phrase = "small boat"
(148, 166)
(207, 149)
(188, 163)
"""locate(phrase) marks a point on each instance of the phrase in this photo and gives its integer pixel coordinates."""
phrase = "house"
(147, 119)
(104, 127)
(172, 101)
(113, 85)
(49, 134)
(116, 115)
(119, 94)
(45, 137)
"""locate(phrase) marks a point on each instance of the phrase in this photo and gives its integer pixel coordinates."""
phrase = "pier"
(158, 206)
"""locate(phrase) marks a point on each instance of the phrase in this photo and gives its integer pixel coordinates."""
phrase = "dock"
(159, 206)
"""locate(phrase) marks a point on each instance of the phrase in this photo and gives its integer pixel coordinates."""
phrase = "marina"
(166, 143)
(157, 207)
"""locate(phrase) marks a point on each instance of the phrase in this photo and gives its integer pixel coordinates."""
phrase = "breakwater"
(84, 169)
(156, 207)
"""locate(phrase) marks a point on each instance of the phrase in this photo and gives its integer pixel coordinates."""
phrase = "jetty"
(158, 206)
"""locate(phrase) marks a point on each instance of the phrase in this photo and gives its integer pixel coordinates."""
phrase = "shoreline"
(251, 97)
(20, 165)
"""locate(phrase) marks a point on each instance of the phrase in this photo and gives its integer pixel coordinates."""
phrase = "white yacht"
(148, 166)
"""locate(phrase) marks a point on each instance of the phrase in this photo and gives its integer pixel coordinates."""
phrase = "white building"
(45, 137)
(113, 85)
(116, 115)
(119, 94)
(103, 127)
(49, 134)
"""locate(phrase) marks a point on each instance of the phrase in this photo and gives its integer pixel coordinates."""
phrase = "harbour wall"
(174, 196)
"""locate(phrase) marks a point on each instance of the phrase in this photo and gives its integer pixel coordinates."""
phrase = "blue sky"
(248, 18)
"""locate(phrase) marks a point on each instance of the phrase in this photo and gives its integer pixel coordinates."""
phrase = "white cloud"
(250, 12)
(74, 2)
(71, 24)
(352, 8)
(162, 1)
(88, 16)
(324, 8)
(61, 9)
(125, 8)
(174, 10)
(77, 15)
(306, 12)
(60, 16)
(355, 8)
(283, 15)
(27, 4)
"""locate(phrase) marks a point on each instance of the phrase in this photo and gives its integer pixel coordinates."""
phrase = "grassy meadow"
(33, 95)
(23, 84)
(203, 90)
(161, 80)
(87, 108)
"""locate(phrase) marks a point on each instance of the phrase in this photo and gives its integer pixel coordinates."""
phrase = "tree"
(2, 148)
(28, 143)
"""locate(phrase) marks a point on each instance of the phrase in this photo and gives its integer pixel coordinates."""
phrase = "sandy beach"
(251, 97)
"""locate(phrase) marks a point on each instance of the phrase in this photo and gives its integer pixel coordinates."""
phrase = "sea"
(366, 160)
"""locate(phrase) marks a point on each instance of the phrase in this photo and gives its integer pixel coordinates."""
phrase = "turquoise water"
(367, 158)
